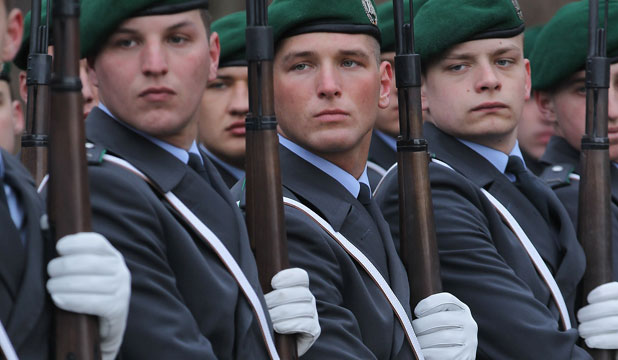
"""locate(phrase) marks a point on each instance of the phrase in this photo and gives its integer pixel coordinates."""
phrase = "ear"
(214, 52)
(424, 101)
(18, 117)
(92, 74)
(528, 86)
(23, 86)
(386, 78)
(545, 102)
(14, 32)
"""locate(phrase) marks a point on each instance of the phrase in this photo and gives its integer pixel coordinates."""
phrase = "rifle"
(264, 195)
(34, 140)
(68, 200)
(418, 247)
(594, 217)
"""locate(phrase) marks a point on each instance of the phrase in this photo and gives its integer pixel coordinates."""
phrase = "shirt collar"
(343, 177)
(389, 140)
(179, 153)
(497, 158)
(236, 172)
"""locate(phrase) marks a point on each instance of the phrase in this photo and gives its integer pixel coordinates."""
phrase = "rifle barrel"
(68, 199)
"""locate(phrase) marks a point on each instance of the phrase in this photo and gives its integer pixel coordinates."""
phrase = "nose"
(488, 79)
(328, 83)
(239, 101)
(154, 59)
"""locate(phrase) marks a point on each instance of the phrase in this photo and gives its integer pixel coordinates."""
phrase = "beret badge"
(518, 10)
(370, 11)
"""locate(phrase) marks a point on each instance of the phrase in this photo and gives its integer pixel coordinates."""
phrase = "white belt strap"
(221, 251)
(375, 275)
(6, 347)
(534, 255)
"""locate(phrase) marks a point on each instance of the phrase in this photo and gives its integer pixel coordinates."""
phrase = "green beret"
(441, 24)
(5, 74)
(21, 59)
(100, 18)
(386, 21)
(530, 36)
(295, 17)
(562, 46)
(231, 30)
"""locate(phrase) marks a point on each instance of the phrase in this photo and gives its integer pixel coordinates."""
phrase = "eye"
(504, 62)
(349, 63)
(125, 43)
(177, 39)
(217, 85)
(457, 67)
(300, 67)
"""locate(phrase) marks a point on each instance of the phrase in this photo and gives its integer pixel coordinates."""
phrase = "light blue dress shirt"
(179, 153)
(15, 209)
(389, 140)
(497, 158)
(343, 177)
(236, 172)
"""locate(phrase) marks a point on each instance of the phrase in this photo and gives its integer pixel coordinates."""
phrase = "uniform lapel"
(31, 297)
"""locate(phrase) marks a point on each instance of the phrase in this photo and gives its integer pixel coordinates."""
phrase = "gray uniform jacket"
(24, 305)
(356, 320)
(483, 263)
(559, 151)
(184, 302)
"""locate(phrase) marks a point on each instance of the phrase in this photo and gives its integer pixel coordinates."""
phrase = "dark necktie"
(530, 186)
(365, 198)
(195, 162)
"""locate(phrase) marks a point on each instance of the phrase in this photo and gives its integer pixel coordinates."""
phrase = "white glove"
(291, 306)
(598, 321)
(90, 277)
(445, 328)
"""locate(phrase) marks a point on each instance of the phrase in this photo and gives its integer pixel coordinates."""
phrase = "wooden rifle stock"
(264, 209)
(594, 216)
(68, 196)
(418, 246)
(34, 140)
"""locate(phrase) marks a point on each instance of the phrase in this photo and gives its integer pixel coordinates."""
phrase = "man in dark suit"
(161, 202)
(328, 85)
(475, 82)
(561, 95)
(89, 276)
(226, 102)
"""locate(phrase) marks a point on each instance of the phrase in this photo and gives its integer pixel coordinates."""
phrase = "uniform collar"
(179, 153)
(497, 158)
(388, 140)
(343, 177)
(236, 172)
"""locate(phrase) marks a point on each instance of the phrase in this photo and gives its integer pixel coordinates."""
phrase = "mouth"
(490, 107)
(157, 93)
(332, 115)
(237, 128)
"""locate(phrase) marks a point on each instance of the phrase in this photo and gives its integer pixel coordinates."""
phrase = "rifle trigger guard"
(257, 123)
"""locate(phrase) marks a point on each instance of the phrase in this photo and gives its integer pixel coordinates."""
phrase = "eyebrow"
(309, 53)
(467, 56)
(130, 31)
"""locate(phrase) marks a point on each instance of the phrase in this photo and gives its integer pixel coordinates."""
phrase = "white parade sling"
(368, 266)
(5, 345)
(217, 246)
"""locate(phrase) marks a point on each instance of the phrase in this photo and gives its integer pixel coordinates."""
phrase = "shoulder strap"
(392, 168)
(534, 255)
(217, 246)
(557, 175)
(6, 348)
(371, 270)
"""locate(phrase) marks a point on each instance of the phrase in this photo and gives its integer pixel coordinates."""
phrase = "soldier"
(89, 276)
(162, 203)
(507, 246)
(534, 129)
(561, 95)
(11, 112)
(225, 102)
(328, 85)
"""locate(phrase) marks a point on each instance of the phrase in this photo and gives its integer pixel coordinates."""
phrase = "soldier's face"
(328, 88)
(152, 71)
(222, 114)
(534, 129)
(388, 118)
(477, 89)
(568, 105)
(11, 118)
